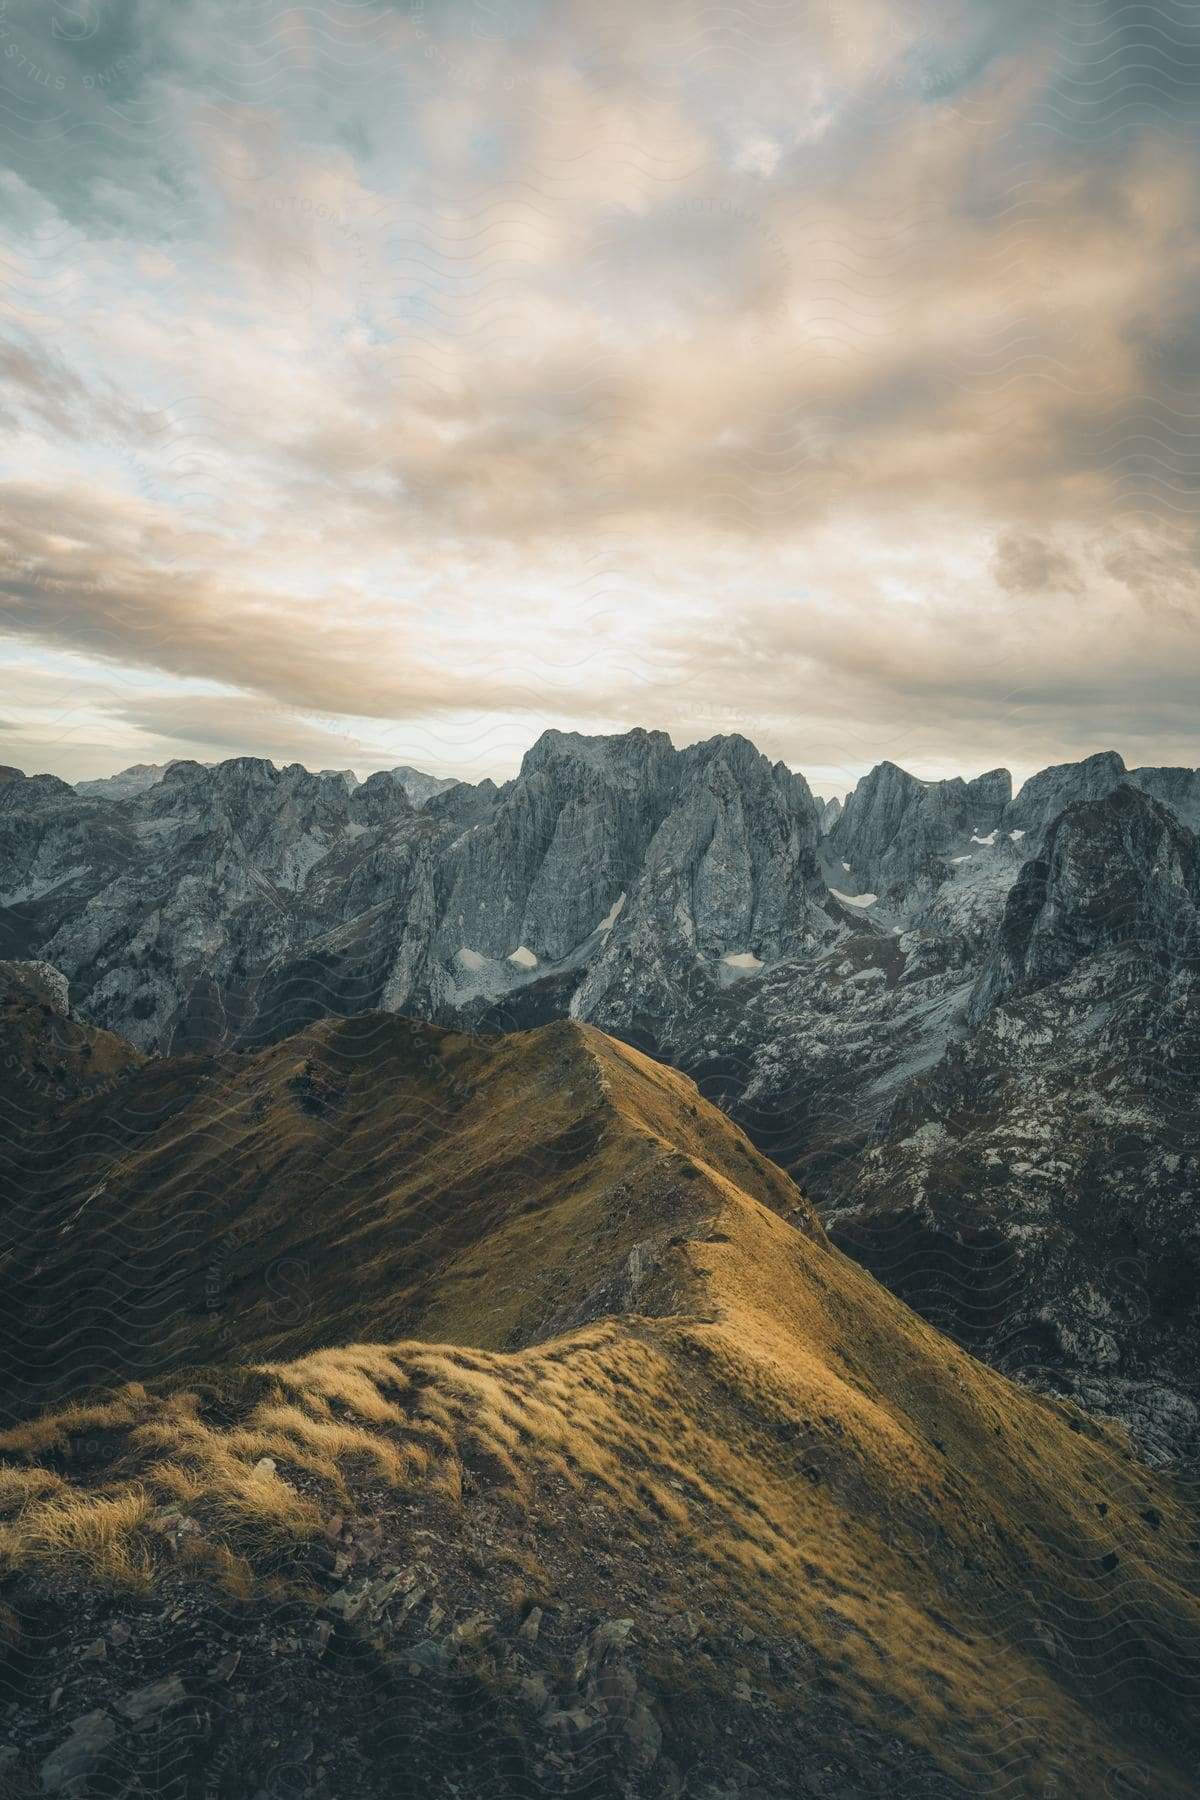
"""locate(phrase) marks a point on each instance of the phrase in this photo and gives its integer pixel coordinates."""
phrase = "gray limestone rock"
(1177, 788)
(1045, 795)
(898, 833)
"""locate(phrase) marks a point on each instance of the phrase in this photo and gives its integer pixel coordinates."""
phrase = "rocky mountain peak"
(896, 831)
(383, 795)
(829, 812)
(419, 786)
(732, 764)
(187, 773)
(991, 791)
(20, 790)
(1045, 795)
(126, 782)
(628, 754)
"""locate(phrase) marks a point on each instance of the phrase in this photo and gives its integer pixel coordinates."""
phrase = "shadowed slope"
(370, 1177)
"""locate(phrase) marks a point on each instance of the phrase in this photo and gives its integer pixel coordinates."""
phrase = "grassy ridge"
(648, 1386)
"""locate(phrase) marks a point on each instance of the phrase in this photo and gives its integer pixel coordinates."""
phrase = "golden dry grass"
(101, 1535)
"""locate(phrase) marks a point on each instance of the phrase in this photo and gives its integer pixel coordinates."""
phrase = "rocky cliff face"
(1177, 788)
(728, 882)
(699, 904)
(897, 832)
(1036, 1190)
(1117, 874)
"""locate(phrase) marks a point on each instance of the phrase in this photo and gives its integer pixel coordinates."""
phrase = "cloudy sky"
(385, 381)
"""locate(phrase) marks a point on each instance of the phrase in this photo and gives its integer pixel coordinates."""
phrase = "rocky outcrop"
(44, 983)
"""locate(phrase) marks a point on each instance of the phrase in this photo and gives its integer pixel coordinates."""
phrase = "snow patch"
(989, 839)
(868, 977)
(524, 959)
(846, 866)
(1016, 836)
(612, 915)
(471, 959)
(742, 959)
(967, 858)
(854, 899)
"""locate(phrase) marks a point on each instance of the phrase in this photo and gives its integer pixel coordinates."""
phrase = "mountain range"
(394, 1409)
(965, 1021)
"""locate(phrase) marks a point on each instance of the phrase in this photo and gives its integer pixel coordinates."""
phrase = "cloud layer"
(397, 379)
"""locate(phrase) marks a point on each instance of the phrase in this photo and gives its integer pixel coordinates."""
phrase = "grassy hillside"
(586, 1466)
(369, 1178)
